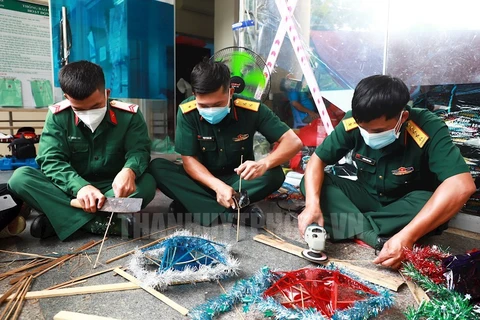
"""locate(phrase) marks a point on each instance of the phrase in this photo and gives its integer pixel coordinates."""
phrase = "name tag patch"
(402, 171)
(364, 159)
(205, 138)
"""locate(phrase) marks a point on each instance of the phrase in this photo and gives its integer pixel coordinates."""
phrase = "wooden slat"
(80, 290)
(67, 315)
(153, 292)
(417, 292)
(464, 233)
(373, 276)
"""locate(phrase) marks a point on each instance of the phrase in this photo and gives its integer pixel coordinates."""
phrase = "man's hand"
(250, 170)
(124, 183)
(225, 195)
(392, 252)
(90, 198)
(309, 215)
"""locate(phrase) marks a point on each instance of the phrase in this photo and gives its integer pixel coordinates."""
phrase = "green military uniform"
(71, 157)
(219, 148)
(394, 182)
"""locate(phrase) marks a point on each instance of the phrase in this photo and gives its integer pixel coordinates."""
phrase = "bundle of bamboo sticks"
(25, 275)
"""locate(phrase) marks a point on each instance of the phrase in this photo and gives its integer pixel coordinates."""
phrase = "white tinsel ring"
(140, 266)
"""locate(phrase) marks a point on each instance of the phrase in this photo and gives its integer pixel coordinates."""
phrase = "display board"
(25, 55)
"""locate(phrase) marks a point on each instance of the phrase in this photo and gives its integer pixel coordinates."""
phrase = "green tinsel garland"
(444, 304)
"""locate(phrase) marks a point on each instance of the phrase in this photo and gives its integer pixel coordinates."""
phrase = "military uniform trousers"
(348, 209)
(40, 193)
(201, 201)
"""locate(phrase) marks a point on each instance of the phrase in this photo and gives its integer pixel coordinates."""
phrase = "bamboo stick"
(63, 259)
(236, 309)
(139, 238)
(29, 265)
(52, 264)
(17, 298)
(133, 251)
(72, 284)
(85, 276)
(103, 240)
(238, 204)
(28, 254)
(273, 234)
(9, 292)
(22, 298)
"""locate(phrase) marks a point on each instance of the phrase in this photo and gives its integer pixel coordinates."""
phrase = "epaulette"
(247, 104)
(188, 106)
(60, 106)
(417, 134)
(350, 124)
(125, 106)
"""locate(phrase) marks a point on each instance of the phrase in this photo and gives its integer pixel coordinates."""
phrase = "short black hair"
(377, 96)
(81, 79)
(208, 76)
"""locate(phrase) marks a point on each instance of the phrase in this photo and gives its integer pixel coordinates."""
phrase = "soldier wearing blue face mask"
(215, 128)
(412, 179)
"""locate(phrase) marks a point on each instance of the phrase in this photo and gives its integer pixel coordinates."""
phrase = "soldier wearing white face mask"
(411, 178)
(91, 148)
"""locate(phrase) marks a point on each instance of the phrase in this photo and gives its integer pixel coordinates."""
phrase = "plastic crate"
(12, 163)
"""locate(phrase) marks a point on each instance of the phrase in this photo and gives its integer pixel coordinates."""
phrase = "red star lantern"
(324, 290)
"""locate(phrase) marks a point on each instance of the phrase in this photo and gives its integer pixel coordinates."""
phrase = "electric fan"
(246, 71)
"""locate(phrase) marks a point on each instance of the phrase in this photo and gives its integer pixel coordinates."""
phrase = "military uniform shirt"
(420, 159)
(219, 147)
(71, 156)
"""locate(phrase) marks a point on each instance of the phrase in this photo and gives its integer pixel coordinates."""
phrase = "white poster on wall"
(25, 55)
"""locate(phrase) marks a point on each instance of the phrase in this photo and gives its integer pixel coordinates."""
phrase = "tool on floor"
(315, 237)
(118, 205)
(7, 202)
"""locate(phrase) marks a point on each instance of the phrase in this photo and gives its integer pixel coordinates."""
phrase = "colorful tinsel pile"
(452, 283)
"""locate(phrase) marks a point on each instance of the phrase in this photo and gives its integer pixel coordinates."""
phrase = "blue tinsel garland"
(250, 292)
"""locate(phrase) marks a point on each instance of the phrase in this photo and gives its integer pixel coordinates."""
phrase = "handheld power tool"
(315, 237)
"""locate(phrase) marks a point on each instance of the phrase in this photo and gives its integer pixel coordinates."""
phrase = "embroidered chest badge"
(402, 171)
(241, 137)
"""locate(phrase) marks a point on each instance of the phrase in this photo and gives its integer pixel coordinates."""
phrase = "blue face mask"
(215, 115)
(382, 139)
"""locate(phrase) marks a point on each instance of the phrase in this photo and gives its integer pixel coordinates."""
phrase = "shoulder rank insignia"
(349, 124)
(247, 104)
(59, 106)
(125, 106)
(188, 106)
(417, 134)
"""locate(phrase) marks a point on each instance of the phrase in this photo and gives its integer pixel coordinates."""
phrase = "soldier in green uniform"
(215, 128)
(411, 177)
(91, 148)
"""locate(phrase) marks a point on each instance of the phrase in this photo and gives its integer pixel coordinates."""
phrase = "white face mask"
(92, 118)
